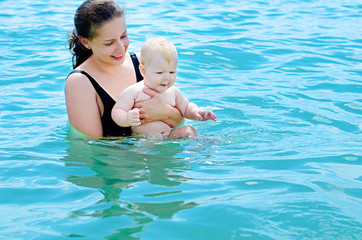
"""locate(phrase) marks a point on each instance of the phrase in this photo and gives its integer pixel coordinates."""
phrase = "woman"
(103, 69)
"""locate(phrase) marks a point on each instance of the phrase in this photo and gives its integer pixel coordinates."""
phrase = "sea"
(282, 162)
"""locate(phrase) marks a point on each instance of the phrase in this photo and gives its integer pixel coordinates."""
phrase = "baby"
(158, 67)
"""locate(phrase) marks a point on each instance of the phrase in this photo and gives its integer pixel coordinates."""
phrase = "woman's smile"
(117, 57)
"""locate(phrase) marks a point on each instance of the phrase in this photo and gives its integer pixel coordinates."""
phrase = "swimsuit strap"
(101, 92)
(136, 64)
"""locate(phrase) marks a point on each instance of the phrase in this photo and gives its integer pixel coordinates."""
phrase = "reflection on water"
(123, 170)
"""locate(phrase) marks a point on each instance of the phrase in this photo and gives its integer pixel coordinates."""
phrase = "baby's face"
(160, 74)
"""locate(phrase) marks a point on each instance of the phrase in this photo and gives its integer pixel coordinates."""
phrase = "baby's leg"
(152, 128)
(183, 132)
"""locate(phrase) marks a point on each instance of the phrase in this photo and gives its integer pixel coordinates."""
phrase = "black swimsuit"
(110, 128)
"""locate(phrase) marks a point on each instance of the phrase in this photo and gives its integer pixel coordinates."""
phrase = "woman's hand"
(155, 109)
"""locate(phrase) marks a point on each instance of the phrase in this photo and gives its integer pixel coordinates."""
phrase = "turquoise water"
(282, 162)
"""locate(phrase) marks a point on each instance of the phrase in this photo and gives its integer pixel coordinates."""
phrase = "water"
(282, 162)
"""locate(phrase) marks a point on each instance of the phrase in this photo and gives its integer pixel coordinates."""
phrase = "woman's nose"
(120, 45)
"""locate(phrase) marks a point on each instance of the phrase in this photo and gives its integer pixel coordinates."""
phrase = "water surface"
(282, 162)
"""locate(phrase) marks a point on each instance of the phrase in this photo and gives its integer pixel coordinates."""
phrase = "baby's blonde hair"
(165, 46)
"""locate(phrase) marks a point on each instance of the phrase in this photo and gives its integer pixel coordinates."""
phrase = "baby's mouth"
(164, 84)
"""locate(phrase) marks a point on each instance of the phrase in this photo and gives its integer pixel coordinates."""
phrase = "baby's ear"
(142, 70)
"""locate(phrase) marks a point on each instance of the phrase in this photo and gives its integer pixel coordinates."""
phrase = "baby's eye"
(159, 72)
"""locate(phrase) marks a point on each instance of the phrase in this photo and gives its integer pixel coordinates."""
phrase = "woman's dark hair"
(88, 18)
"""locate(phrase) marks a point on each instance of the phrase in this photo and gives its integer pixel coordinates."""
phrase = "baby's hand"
(205, 115)
(133, 117)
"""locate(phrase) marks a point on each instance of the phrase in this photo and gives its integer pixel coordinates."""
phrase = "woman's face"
(111, 42)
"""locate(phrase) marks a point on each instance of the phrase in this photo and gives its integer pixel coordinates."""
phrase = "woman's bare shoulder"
(76, 76)
(78, 83)
(77, 79)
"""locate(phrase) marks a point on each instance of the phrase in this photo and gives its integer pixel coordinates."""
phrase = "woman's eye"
(108, 43)
(124, 35)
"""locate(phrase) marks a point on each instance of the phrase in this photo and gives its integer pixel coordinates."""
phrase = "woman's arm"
(155, 109)
(82, 107)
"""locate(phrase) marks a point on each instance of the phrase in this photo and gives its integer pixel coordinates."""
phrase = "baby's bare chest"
(168, 97)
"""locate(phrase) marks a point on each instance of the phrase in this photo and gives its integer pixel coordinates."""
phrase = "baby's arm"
(195, 113)
(122, 112)
(191, 110)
